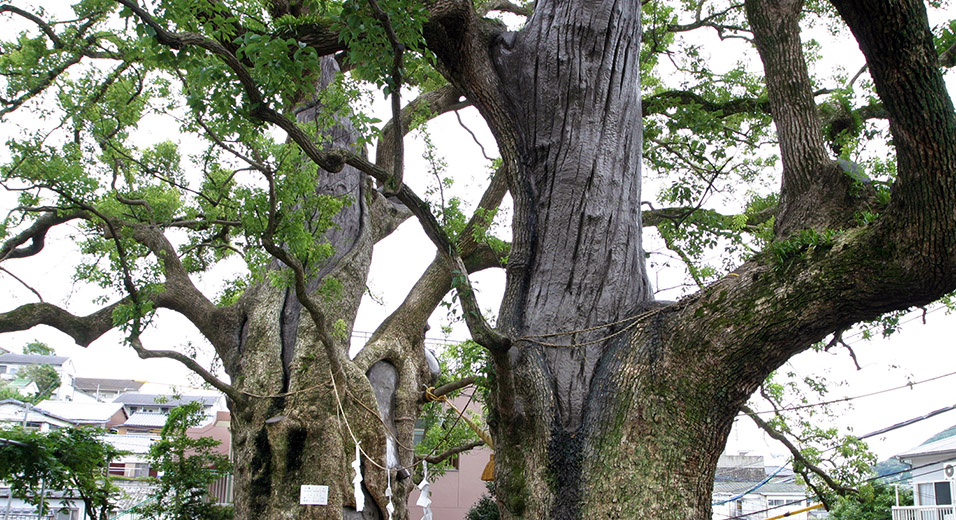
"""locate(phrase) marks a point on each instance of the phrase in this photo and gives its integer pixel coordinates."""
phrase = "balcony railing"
(924, 513)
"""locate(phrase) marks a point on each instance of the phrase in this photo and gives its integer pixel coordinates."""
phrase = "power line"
(847, 399)
(908, 422)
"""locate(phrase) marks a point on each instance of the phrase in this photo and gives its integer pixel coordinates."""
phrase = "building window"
(137, 469)
(776, 502)
(935, 494)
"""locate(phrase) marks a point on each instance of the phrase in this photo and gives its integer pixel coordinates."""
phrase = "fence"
(924, 513)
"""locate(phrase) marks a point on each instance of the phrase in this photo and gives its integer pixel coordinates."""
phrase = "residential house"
(99, 415)
(745, 487)
(134, 463)
(24, 387)
(12, 364)
(18, 413)
(934, 474)
(143, 423)
(63, 506)
(161, 404)
(106, 390)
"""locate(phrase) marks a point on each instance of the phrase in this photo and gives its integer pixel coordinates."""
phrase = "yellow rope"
(798, 511)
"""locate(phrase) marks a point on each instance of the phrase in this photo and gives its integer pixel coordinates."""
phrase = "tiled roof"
(92, 384)
(946, 445)
(146, 419)
(164, 401)
(770, 488)
(82, 412)
(32, 359)
(130, 443)
(34, 409)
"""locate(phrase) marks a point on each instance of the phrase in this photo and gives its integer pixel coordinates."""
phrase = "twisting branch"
(83, 329)
(190, 363)
(473, 136)
(36, 234)
(796, 453)
(336, 358)
(332, 161)
(480, 330)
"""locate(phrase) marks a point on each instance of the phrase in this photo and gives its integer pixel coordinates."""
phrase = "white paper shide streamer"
(357, 481)
(390, 508)
(424, 498)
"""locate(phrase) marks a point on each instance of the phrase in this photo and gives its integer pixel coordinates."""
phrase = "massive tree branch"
(783, 301)
(83, 329)
(660, 102)
(814, 192)
(36, 234)
(218, 325)
(451, 254)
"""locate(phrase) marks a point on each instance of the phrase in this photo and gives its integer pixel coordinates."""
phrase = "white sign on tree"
(313, 495)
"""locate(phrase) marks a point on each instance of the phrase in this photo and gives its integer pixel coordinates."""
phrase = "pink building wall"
(456, 491)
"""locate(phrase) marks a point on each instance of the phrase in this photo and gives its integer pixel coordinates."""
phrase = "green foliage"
(873, 502)
(801, 245)
(845, 458)
(7, 391)
(38, 348)
(187, 466)
(369, 48)
(68, 458)
(443, 428)
(46, 379)
(485, 508)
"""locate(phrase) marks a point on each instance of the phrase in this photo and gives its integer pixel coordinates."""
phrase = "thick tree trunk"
(570, 84)
(299, 417)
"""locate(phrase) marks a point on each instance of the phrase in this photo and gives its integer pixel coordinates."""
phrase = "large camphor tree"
(603, 402)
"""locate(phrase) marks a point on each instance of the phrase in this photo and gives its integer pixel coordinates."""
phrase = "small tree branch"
(796, 453)
(41, 23)
(23, 283)
(435, 459)
(191, 364)
(455, 385)
(434, 103)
